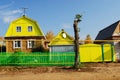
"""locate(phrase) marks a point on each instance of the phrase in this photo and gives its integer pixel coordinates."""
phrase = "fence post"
(112, 53)
(102, 47)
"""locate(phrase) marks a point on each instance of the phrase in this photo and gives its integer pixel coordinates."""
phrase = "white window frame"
(30, 29)
(16, 44)
(30, 43)
(18, 29)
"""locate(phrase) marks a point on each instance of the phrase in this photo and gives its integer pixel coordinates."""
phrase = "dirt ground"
(88, 71)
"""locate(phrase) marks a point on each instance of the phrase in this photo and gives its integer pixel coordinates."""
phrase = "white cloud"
(8, 19)
(67, 26)
(8, 15)
(12, 12)
(6, 5)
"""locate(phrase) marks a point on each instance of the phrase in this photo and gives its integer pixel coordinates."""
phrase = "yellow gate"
(96, 53)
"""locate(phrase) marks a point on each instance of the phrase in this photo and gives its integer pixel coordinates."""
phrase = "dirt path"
(62, 76)
(109, 71)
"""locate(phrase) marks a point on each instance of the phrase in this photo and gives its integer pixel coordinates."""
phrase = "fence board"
(37, 59)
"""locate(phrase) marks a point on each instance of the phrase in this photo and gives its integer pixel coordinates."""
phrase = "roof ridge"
(110, 25)
(107, 32)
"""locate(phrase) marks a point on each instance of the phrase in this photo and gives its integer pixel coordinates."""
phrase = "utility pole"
(76, 42)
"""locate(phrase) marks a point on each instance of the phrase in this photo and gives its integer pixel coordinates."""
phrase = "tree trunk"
(75, 25)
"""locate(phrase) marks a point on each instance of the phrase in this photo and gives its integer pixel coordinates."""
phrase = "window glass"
(18, 29)
(17, 44)
(29, 28)
(30, 44)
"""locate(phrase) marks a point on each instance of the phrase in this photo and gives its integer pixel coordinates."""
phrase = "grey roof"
(107, 32)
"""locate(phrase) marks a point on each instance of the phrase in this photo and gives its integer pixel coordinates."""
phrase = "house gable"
(108, 32)
(117, 30)
(23, 22)
(62, 39)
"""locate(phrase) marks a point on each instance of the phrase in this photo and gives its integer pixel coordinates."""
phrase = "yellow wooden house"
(23, 34)
(62, 43)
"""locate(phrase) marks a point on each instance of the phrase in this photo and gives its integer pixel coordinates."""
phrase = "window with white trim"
(29, 28)
(18, 29)
(17, 44)
(30, 44)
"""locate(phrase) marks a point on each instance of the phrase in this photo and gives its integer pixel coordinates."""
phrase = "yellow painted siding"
(24, 22)
(93, 53)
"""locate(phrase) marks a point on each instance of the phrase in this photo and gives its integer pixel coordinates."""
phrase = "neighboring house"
(111, 32)
(2, 45)
(23, 34)
(2, 41)
(62, 43)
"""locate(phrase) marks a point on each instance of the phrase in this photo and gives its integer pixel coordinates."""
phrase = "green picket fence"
(37, 59)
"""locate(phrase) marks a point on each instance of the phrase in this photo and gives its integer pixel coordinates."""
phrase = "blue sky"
(54, 15)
